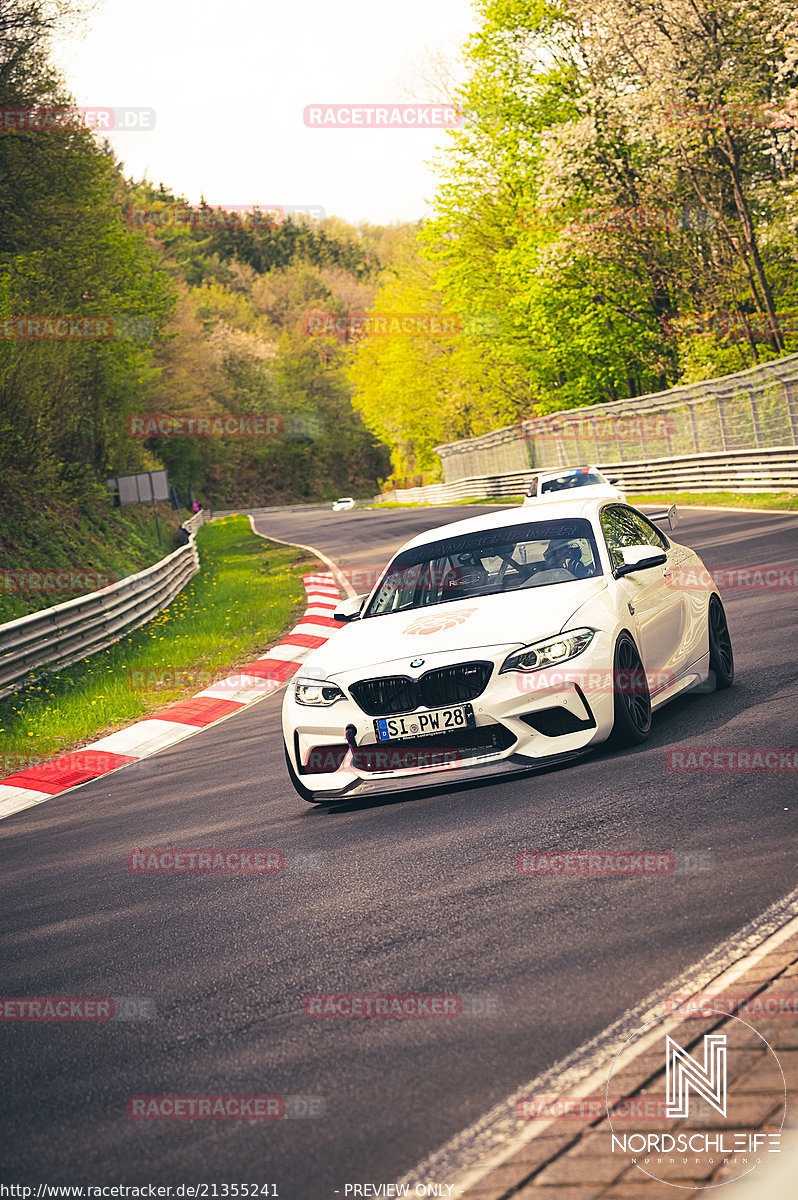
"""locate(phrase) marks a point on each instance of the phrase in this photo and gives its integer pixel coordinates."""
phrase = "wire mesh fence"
(753, 409)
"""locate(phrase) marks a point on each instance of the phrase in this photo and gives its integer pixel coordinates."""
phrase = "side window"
(624, 527)
(649, 535)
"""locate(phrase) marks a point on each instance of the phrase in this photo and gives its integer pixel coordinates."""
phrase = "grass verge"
(514, 500)
(779, 500)
(245, 595)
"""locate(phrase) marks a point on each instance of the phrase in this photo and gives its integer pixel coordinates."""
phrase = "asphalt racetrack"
(407, 895)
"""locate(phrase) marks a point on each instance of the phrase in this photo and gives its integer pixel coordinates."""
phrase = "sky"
(229, 81)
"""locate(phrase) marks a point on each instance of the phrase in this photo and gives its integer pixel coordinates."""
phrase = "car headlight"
(546, 654)
(316, 693)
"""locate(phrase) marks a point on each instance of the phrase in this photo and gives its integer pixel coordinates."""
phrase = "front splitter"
(448, 780)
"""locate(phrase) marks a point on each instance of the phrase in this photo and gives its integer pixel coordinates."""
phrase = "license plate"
(440, 720)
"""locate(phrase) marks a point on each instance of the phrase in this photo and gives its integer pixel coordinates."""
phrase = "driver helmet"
(564, 554)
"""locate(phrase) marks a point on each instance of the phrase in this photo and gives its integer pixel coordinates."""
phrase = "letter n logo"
(683, 1073)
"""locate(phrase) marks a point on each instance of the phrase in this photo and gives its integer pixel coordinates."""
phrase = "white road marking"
(338, 574)
(145, 737)
(241, 689)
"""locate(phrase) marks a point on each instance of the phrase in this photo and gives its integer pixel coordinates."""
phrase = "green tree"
(620, 165)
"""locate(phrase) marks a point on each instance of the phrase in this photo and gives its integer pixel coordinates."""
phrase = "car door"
(656, 608)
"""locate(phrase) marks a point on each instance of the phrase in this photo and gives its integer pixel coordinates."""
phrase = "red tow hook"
(350, 733)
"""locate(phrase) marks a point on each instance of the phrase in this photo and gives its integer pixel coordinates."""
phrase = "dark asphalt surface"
(416, 895)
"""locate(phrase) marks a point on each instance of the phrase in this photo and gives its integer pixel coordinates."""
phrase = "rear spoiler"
(665, 514)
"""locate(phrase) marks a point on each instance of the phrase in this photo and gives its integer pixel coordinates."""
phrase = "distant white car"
(550, 485)
(505, 642)
(343, 503)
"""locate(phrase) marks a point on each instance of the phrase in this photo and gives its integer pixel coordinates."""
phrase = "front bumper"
(386, 784)
(522, 720)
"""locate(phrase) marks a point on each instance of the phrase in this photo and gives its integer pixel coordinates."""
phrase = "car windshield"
(571, 479)
(486, 562)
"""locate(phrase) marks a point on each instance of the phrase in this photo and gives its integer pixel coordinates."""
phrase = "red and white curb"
(225, 697)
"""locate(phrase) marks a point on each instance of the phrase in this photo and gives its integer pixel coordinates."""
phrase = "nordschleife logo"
(699, 1083)
(707, 1080)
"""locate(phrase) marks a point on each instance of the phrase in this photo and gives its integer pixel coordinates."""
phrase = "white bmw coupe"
(502, 643)
(559, 484)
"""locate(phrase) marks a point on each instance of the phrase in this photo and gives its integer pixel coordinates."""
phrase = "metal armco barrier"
(765, 470)
(276, 508)
(774, 469)
(193, 523)
(59, 636)
(481, 487)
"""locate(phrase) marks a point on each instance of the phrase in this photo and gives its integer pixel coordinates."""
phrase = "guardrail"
(479, 488)
(193, 523)
(59, 636)
(772, 469)
(276, 508)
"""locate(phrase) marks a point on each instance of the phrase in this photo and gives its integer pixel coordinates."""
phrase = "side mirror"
(614, 480)
(349, 610)
(637, 558)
